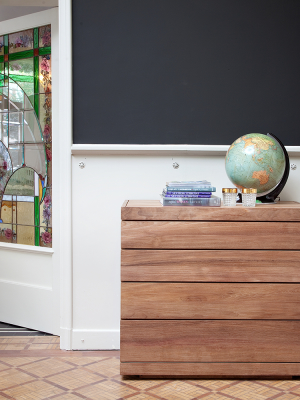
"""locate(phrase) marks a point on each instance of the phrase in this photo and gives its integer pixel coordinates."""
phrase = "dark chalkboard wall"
(185, 71)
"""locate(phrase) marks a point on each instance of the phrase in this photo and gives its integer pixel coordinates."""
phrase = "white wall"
(98, 191)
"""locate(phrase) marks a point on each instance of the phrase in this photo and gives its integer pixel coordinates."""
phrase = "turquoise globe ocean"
(255, 161)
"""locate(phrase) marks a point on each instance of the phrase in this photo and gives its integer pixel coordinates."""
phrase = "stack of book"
(189, 193)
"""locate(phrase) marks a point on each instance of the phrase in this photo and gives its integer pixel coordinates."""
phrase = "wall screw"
(81, 165)
(175, 165)
(293, 167)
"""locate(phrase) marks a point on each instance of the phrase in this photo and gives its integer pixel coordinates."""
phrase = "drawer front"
(210, 301)
(152, 210)
(210, 235)
(210, 266)
(210, 369)
(210, 341)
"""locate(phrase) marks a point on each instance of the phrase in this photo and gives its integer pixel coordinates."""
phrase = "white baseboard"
(93, 339)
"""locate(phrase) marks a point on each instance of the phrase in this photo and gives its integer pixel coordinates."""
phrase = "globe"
(255, 161)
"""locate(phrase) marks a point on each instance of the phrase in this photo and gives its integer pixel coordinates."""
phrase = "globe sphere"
(255, 161)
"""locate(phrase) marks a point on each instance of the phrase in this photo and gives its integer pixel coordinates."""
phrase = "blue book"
(185, 193)
(190, 189)
(187, 196)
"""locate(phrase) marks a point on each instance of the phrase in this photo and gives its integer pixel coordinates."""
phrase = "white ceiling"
(34, 3)
(16, 8)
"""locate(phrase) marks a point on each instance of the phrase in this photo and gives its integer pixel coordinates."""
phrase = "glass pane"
(25, 235)
(6, 233)
(35, 157)
(25, 213)
(46, 218)
(15, 126)
(3, 99)
(1, 45)
(49, 172)
(45, 74)
(46, 211)
(45, 36)
(21, 184)
(5, 168)
(45, 116)
(32, 130)
(22, 72)
(25, 129)
(45, 237)
(28, 104)
(17, 155)
(7, 212)
(16, 97)
(4, 128)
(20, 41)
(25, 198)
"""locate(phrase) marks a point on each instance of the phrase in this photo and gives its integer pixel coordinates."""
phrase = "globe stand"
(271, 197)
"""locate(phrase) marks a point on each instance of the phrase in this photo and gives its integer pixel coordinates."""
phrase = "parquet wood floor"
(34, 368)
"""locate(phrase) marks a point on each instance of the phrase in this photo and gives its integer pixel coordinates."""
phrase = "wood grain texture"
(210, 235)
(210, 266)
(210, 369)
(148, 300)
(190, 301)
(153, 210)
(210, 341)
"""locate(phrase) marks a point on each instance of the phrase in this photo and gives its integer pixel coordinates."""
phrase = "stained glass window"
(26, 137)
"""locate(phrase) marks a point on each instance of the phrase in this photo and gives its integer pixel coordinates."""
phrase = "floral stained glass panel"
(1, 45)
(6, 233)
(20, 41)
(45, 36)
(45, 74)
(26, 138)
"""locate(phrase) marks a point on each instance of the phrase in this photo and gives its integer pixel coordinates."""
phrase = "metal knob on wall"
(81, 165)
(293, 167)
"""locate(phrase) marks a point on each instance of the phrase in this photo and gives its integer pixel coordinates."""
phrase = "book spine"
(188, 196)
(188, 189)
(187, 193)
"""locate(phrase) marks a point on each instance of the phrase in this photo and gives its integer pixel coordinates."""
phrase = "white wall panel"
(15, 265)
(24, 313)
(98, 191)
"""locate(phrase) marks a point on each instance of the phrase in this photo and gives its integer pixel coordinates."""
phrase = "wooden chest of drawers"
(210, 291)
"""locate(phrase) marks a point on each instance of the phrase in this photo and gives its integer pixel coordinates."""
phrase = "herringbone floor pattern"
(34, 368)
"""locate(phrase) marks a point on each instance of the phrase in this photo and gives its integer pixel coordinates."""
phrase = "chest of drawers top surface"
(152, 210)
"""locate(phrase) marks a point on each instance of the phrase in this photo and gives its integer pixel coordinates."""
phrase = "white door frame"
(66, 139)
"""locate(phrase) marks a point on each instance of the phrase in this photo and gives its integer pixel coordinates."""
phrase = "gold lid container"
(229, 190)
(249, 190)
